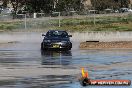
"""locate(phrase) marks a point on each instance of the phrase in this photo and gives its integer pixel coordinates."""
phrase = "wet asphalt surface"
(26, 54)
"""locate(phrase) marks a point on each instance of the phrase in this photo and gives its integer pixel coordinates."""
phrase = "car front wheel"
(42, 46)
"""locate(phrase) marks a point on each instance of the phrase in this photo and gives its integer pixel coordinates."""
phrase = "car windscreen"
(57, 34)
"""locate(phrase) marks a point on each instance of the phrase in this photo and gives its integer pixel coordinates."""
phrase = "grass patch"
(6, 26)
(111, 23)
(9, 26)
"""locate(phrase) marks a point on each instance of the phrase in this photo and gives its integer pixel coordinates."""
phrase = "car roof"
(56, 30)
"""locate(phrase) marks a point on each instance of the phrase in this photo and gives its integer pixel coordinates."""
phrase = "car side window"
(48, 34)
(64, 34)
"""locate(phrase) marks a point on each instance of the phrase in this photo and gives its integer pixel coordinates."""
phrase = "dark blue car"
(55, 39)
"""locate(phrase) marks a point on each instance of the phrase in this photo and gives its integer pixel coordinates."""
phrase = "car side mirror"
(43, 35)
(70, 35)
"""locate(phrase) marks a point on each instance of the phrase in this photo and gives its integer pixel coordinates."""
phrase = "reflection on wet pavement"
(24, 65)
(56, 57)
(37, 82)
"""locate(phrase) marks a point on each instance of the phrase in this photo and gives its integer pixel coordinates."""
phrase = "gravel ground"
(106, 45)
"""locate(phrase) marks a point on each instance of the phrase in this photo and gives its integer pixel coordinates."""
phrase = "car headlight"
(47, 40)
(64, 41)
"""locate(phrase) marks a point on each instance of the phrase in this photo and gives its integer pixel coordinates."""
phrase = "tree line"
(48, 6)
(112, 4)
(45, 6)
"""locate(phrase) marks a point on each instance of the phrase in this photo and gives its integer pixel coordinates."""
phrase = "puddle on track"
(27, 56)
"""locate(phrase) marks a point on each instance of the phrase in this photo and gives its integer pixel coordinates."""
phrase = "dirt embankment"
(106, 45)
